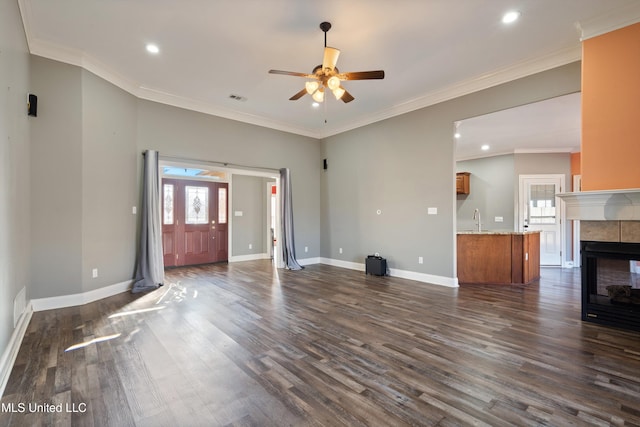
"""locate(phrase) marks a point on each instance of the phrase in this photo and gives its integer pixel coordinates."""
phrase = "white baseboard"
(343, 264)
(250, 257)
(63, 301)
(451, 282)
(11, 352)
(309, 261)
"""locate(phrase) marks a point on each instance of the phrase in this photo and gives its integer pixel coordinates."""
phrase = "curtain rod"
(211, 162)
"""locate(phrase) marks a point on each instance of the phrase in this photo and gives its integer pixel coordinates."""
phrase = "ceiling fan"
(327, 76)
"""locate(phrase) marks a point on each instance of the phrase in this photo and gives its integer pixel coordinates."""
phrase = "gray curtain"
(287, 248)
(150, 266)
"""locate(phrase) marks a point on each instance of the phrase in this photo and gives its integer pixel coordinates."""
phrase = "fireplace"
(611, 283)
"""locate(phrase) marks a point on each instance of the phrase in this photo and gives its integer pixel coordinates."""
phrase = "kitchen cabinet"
(500, 258)
(462, 183)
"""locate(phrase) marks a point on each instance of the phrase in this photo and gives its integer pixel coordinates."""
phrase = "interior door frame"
(230, 171)
(268, 235)
(559, 203)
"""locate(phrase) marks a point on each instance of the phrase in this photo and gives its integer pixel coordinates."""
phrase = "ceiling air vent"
(237, 97)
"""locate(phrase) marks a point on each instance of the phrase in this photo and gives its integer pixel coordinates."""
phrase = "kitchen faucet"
(476, 216)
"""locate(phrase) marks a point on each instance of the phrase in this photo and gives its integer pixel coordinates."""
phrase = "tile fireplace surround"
(605, 216)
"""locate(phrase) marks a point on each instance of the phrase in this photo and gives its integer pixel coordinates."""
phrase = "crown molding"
(77, 58)
(496, 77)
(466, 87)
(162, 97)
(612, 20)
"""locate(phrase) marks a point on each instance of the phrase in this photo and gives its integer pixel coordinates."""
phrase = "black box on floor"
(375, 265)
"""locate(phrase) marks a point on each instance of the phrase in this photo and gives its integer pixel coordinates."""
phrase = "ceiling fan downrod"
(325, 27)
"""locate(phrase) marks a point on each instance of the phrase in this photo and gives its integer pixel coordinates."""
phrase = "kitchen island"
(498, 257)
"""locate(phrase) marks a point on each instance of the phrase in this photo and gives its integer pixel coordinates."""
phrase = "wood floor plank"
(245, 344)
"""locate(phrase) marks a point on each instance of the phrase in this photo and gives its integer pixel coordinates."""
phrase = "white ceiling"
(431, 50)
(549, 126)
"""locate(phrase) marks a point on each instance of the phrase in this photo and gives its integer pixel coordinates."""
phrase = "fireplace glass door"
(611, 283)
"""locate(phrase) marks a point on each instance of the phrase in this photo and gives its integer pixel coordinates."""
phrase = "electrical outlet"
(250, 246)
(134, 210)
(420, 260)
(306, 248)
(340, 250)
(94, 273)
(499, 219)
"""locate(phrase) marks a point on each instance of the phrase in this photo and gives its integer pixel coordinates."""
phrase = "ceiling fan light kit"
(318, 95)
(328, 76)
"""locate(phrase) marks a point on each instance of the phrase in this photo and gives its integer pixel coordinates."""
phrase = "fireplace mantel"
(606, 205)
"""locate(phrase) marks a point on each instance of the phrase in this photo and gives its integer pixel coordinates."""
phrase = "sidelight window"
(222, 205)
(168, 202)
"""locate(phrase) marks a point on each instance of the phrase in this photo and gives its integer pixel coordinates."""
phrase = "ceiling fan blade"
(346, 97)
(292, 73)
(362, 75)
(330, 58)
(298, 95)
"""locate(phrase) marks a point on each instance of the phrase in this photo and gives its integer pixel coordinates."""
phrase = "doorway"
(540, 210)
(194, 222)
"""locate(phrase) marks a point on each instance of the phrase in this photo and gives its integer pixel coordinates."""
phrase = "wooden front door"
(194, 222)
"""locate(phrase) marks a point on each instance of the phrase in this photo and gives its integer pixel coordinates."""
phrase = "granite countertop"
(497, 232)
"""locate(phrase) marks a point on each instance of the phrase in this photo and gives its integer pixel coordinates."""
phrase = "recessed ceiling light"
(152, 48)
(315, 105)
(510, 17)
(485, 147)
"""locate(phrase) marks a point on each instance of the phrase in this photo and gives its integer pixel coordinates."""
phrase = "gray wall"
(84, 171)
(187, 134)
(491, 191)
(404, 165)
(495, 187)
(109, 176)
(15, 203)
(56, 190)
(249, 196)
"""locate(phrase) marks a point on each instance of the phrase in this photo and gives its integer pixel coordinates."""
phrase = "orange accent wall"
(575, 164)
(610, 149)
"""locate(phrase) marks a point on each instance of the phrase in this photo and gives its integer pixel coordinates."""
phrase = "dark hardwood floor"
(247, 345)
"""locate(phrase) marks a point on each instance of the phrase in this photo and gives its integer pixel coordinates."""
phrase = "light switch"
(432, 211)
(499, 219)
(238, 213)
